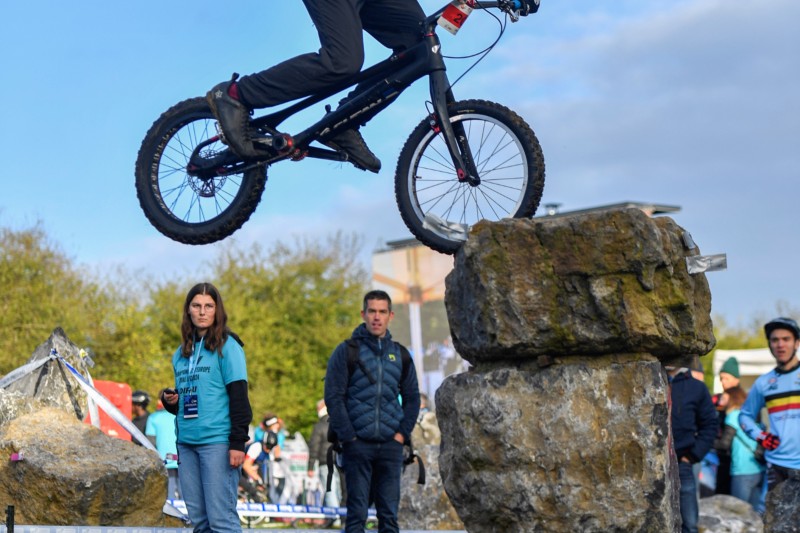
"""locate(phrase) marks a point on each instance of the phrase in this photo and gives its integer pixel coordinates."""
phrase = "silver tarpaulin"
(706, 263)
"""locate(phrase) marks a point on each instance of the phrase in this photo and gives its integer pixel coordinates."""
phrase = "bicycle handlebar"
(514, 8)
(523, 7)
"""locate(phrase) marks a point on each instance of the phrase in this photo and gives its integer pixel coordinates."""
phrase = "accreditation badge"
(190, 406)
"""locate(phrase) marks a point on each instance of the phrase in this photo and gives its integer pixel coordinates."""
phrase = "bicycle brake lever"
(507, 7)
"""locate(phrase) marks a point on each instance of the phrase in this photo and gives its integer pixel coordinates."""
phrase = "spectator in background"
(779, 391)
(426, 430)
(746, 472)
(729, 378)
(271, 443)
(694, 427)
(161, 430)
(140, 400)
(317, 456)
(729, 374)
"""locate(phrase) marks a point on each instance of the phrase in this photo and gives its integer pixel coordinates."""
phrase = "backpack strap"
(354, 360)
(335, 447)
(405, 357)
(412, 455)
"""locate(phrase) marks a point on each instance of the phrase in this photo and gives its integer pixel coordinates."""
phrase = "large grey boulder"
(426, 507)
(783, 507)
(726, 514)
(562, 423)
(606, 283)
(73, 474)
(573, 447)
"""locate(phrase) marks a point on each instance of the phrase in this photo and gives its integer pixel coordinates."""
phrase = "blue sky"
(688, 102)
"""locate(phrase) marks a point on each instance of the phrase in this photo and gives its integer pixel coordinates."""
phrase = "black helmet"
(782, 323)
(140, 397)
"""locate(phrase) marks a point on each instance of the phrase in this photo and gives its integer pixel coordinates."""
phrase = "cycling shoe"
(352, 144)
(234, 120)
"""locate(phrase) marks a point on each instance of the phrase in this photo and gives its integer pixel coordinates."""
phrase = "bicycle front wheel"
(188, 207)
(437, 207)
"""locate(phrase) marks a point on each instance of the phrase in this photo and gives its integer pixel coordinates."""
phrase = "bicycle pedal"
(221, 134)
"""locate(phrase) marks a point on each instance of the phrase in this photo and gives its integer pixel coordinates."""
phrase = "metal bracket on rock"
(688, 242)
(452, 230)
(697, 264)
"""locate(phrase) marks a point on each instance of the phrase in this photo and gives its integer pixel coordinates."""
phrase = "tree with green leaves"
(43, 290)
(291, 306)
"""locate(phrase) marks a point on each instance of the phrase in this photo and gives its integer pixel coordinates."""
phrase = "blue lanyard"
(195, 357)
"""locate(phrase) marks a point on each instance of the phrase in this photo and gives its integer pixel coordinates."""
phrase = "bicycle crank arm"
(328, 155)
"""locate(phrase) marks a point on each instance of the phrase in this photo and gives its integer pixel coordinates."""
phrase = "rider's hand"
(768, 440)
(528, 7)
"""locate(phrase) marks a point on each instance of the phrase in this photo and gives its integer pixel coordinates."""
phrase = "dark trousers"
(373, 471)
(690, 507)
(395, 24)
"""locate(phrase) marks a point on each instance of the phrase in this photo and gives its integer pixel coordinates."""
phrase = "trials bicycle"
(466, 161)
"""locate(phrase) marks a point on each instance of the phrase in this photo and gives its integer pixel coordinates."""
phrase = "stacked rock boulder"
(562, 423)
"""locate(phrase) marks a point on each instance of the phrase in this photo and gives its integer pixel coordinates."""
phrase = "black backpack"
(354, 360)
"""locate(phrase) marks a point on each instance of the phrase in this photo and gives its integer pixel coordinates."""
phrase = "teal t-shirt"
(205, 375)
(743, 461)
(161, 425)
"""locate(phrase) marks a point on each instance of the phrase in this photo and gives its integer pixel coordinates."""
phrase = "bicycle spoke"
(501, 166)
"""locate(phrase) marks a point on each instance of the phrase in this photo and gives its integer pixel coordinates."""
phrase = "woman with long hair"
(747, 473)
(212, 409)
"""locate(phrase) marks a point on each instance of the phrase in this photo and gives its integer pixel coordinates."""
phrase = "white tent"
(752, 363)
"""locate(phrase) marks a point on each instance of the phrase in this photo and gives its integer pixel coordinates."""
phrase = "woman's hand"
(236, 458)
(169, 396)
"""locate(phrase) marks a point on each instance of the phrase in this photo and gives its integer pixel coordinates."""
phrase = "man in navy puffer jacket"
(372, 412)
(694, 427)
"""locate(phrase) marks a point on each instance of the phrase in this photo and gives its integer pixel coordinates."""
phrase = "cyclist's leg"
(396, 24)
(341, 56)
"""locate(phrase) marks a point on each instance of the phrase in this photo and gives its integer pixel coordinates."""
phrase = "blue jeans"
(209, 487)
(690, 507)
(748, 487)
(372, 469)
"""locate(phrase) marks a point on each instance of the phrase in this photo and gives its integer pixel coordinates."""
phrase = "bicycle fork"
(455, 136)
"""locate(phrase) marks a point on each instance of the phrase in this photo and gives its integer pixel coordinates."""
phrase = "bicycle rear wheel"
(436, 206)
(192, 208)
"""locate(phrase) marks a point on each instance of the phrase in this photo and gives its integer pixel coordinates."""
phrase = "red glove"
(768, 440)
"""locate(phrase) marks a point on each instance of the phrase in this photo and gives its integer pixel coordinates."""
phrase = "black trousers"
(396, 24)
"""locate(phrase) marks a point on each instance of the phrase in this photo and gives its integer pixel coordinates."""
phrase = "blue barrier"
(271, 510)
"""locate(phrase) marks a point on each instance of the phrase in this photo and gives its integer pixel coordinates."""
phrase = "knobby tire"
(187, 208)
(509, 160)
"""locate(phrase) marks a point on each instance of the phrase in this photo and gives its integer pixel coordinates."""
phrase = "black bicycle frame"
(376, 88)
